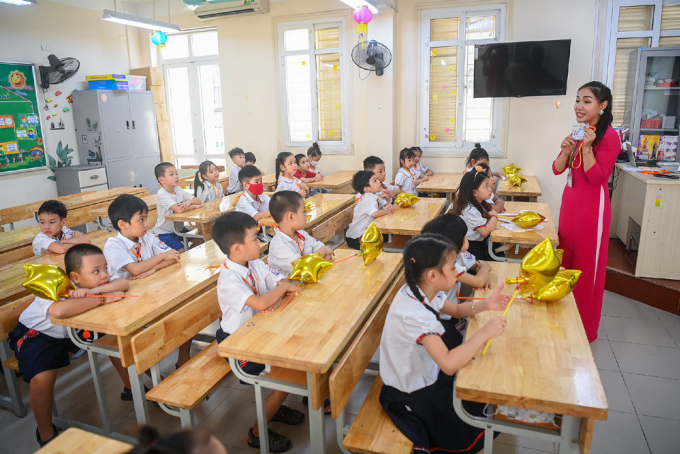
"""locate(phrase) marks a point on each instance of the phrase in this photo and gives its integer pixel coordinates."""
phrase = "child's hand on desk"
(290, 287)
(494, 327)
(327, 253)
(318, 177)
(382, 195)
(80, 293)
(77, 233)
(113, 299)
(143, 275)
(171, 255)
(185, 205)
(390, 208)
(497, 302)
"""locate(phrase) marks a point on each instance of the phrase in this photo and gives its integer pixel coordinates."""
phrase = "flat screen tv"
(530, 68)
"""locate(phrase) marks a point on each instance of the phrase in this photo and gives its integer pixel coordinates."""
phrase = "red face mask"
(256, 188)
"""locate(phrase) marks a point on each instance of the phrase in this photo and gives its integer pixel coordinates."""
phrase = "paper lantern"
(362, 16)
(159, 39)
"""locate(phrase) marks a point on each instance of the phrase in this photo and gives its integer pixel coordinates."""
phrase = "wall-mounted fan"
(372, 56)
(60, 70)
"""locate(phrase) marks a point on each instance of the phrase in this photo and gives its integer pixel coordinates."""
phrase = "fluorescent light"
(357, 3)
(141, 22)
(20, 2)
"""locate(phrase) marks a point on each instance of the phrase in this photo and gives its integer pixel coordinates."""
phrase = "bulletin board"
(22, 146)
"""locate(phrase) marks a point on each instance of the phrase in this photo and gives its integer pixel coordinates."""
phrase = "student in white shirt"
(238, 157)
(368, 206)
(407, 178)
(170, 198)
(479, 155)
(314, 156)
(206, 185)
(422, 170)
(245, 286)
(54, 236)
(377, 166)
(478, 215)
(291, 242)
(497, 203)
(416, 365)
(42, 347)
(253, 202)
(285, 175)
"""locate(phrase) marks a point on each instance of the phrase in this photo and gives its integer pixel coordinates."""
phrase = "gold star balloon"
(511, 169)
(371, 244)
(515, 180)
(538, 267)
(405, 200)
(308, 206)
(528, 219)
(47, 281)
(559, 287)
(309, 268)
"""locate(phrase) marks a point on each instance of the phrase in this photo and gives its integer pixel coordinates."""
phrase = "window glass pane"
(296, 40)
(186, 162)
(203, 44)
(670, 17)
(635, 18)
(211, 109)
(180, 110)
(328, 78)
(482, 27)
(624, 46)
(444, 29)
(217, 161)
(478, 112)
(443, 93)
(669, 41)
(299, 93)
(177, 46)
(327, 38)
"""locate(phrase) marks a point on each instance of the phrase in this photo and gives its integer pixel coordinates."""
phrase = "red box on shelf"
(650, 123)
(665, 83)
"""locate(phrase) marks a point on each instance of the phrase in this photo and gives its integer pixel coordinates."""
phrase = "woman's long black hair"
(203, 169)
(466, 192)
(602, 93)
(421, 253)
(280, 160)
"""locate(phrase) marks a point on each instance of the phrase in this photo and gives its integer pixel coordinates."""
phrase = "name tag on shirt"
(569, 182)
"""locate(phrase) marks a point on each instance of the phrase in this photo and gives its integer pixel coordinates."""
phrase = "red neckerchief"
(137, 251)
(300, 241)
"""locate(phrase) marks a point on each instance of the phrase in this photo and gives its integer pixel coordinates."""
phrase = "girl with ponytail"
(206, 186)
(416, 396)
(585, 213)
(472, 205)
(285, 175)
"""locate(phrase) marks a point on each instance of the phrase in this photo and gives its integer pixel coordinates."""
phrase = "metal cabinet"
(118, 129)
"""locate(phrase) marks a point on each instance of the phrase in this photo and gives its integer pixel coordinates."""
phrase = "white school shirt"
(473, 219)
(464, 261)
(404, 361)
(37, 317)
(422, 169)
(42, 242)
(234, 184)
(365, 206)
(164, 200)
(288, 184)
(233, 291)
(120, 251)
(283, 250)
(246, 204)
(405, 180)
(209, 192)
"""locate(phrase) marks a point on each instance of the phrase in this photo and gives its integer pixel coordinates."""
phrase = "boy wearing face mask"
(253, 202)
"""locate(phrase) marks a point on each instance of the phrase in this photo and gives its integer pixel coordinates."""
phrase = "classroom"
(339, 226)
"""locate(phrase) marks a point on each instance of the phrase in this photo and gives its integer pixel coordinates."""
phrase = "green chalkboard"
(21, 135)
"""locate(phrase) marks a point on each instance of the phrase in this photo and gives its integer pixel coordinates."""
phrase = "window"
(313, 84)
(194, 95)
(451, 119)
(634, 24)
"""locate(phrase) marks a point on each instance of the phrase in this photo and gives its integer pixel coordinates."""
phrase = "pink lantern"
(362, 16)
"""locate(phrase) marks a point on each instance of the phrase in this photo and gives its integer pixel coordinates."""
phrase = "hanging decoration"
(362, 16)
(159, 39)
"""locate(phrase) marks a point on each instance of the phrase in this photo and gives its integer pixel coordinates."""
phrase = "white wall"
(101, 48)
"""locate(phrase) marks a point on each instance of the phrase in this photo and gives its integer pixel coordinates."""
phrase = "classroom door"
(195, 108)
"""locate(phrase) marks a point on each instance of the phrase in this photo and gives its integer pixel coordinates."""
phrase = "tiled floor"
(637, 353)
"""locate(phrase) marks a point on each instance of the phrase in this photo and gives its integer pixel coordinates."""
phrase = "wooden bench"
(372, 431)
(83, 442)
(9, 317)
(194, 381)
(17, 244)
(23, 212)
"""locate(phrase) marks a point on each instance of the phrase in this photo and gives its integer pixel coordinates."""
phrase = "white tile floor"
(637, 353)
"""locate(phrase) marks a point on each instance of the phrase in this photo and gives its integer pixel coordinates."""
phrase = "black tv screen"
(530, 68)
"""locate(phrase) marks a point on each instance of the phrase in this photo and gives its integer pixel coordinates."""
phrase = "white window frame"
(327, 146)
(612, 33)
(459, 148)
(190, 58)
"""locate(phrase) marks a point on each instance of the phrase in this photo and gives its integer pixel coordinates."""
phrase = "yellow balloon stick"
(514, 295)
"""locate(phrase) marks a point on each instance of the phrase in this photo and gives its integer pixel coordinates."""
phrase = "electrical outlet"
(46, 47)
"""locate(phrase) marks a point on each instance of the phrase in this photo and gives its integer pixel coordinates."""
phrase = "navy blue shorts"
(248, 367)
(173, 240)
(38, 352)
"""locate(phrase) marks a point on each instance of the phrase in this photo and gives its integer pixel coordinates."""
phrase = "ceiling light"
(357, 3)
(20, 2)
(141, 22)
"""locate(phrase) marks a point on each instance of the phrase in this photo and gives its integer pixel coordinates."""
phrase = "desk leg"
(586, 435)
(99, 391)
(493, 255)
(317, 422)
(262, 420)
(137, 386)
(570, 435)
(15, 401)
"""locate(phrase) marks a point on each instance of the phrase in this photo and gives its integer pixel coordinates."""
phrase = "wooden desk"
(224, 181)
(503, 235)
(14, 239)
(338, 182)
(410, 221)
(314, 330)
(442, 182)
(530, 188)
(542, 362)
(328, 205)
(84, 442)
(269, 182)
(13, 275)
